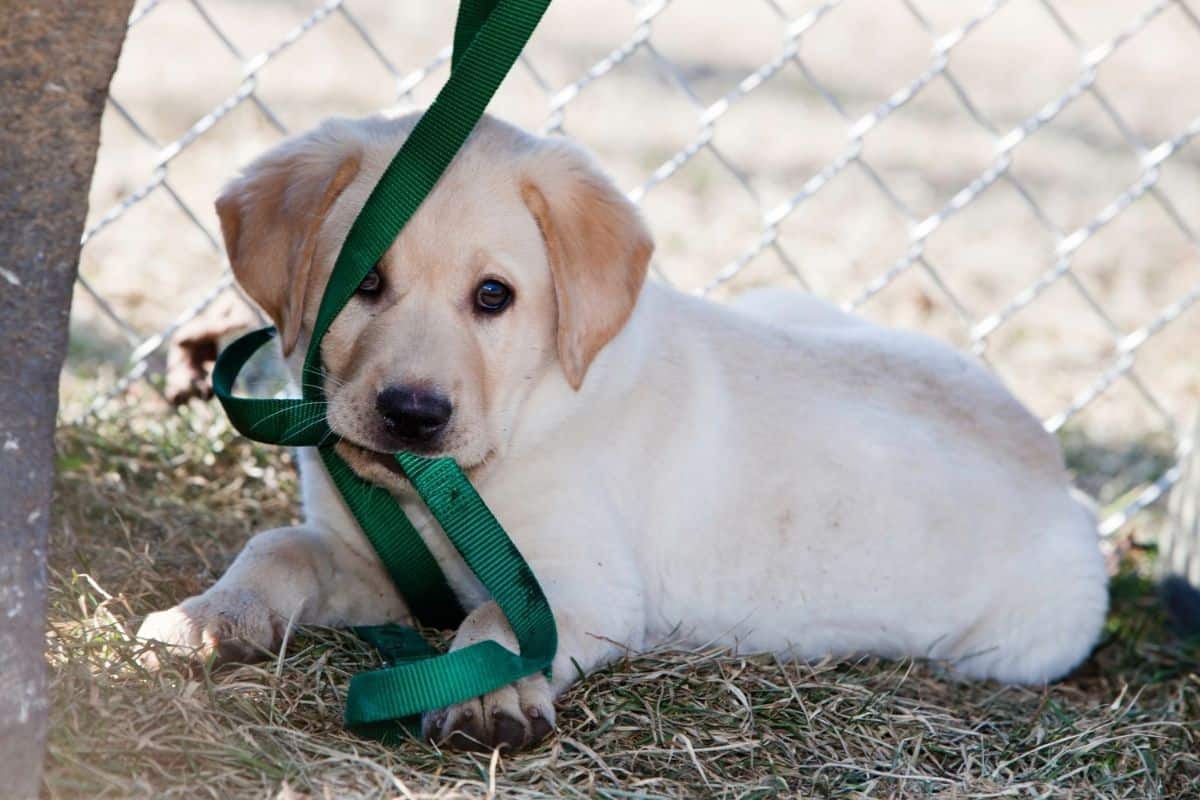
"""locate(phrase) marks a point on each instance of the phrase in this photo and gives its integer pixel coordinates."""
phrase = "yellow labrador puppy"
(778, 476)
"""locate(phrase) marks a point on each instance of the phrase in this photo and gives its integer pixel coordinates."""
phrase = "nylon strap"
(488, 38)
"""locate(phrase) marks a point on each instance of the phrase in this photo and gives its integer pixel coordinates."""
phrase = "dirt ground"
(152, 505)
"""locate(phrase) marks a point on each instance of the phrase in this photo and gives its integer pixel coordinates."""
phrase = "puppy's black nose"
(414, 413)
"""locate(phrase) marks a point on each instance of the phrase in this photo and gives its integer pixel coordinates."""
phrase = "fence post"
(56, 60)
(1179, 544)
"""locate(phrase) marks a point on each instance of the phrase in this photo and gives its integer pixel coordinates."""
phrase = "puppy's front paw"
(514, 717)
(228, 625)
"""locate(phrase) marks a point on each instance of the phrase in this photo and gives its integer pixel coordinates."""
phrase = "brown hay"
(151, 507)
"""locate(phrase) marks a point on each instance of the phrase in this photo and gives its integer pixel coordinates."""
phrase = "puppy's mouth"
(386, 460)
(370, 449)
(370, 437)
(372, 465)
(385, 452)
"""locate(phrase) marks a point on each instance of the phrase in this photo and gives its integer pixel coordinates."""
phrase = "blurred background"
(1015, 178)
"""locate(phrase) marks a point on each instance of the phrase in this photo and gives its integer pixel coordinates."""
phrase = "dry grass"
(152, 506)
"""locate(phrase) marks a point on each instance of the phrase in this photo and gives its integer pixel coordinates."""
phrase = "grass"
(150, 508)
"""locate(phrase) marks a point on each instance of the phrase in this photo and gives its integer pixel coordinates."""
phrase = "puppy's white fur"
(773, 474)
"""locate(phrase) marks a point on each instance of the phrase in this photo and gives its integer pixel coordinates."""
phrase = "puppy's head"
(524, 259)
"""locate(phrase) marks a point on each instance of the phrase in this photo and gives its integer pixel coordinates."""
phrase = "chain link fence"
(1013, 177)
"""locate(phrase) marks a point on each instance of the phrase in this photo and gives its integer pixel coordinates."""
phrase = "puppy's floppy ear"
(270, 217)
(598, 248)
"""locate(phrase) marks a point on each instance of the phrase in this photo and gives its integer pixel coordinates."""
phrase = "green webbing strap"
(436, 682)
(487, 41)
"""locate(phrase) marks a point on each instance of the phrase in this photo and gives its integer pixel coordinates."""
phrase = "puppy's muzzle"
(413, 414)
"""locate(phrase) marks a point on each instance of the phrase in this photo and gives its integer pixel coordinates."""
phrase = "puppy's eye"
(492, 297)
(372, 284)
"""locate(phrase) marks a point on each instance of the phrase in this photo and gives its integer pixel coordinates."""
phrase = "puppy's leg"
(282, 577)
(512, 716)
(593, 630)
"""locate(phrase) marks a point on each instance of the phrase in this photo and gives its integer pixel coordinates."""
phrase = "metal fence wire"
(842, 141)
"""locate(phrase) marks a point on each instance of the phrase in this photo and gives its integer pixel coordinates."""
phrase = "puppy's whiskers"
(286, 409)
(327, 381)
(312, 423)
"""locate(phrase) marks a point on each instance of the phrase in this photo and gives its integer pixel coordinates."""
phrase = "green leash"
(488, 38)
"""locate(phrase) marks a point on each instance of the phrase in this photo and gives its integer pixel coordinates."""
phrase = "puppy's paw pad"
(511, 718)
(539, 725)
(507, 731)
(464, 728)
